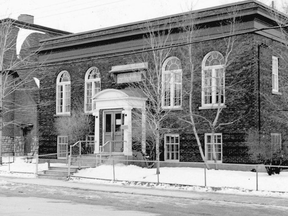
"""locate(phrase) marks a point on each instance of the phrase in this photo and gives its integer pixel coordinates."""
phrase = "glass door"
(112, 131)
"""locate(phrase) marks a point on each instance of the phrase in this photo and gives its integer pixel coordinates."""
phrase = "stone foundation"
(15, 146)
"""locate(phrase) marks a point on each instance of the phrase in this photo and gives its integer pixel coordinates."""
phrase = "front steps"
(80, 162)
(58, 172)
(93, 160)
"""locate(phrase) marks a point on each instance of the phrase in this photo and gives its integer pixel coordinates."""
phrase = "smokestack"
(273, 5)
(26, 18)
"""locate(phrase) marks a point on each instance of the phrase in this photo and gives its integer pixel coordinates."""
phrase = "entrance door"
(113, 120)
(27, 140)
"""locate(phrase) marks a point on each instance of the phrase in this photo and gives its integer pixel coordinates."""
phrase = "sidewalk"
(142, 190)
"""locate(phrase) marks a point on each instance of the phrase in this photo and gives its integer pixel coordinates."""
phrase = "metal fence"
(255, 178)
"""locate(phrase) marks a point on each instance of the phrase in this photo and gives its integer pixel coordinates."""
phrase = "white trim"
(206, 147)
(276, 135)
(275, 75)
(129, 67)
(60, 146)
(66, 89)
(175, 153)
(94, 89)
(213, 69)
(171, 83)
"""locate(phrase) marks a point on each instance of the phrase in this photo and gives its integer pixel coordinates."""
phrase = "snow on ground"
(184, 178)
(190, 176)
(21, 167)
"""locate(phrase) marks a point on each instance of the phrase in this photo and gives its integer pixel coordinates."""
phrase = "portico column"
(128, 131)
(143, 141)
(97, 131)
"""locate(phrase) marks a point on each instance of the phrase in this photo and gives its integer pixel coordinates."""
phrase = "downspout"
(259, 89)
(258, 95)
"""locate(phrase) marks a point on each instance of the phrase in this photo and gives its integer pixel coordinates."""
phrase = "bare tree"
(76, 126)
(19, 69)
(157, 49)
(213, 119)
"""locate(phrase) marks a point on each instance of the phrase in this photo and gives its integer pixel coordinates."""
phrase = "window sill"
(213, 162)
(214, 106)
(172, 108)
(276, 93)
(172, 161)
(62, 114)
(88, 112)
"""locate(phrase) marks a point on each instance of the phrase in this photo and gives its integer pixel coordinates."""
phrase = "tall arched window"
(92, 87)
(172, 83)
(63, 93)
(213, 80)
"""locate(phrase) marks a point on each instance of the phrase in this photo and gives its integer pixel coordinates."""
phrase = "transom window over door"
(63, 93)
(172, 83)
(213, 80)
(92, 87)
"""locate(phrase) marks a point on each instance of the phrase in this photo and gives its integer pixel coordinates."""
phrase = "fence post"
(113, 169)
(257, 178)
(110, 148)
(69, 161)
(80, 148)
(37, 161)
(96, 160)
(205, 177)
(158, 171)
(8, 163)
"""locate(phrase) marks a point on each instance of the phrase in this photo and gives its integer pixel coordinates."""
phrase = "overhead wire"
(81, 9)
(69, 6)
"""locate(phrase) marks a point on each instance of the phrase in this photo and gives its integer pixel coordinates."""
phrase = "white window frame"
(275, 72)
(213, 79)
(171, 83)
(169, 153)
(276, 141)
(62, 144)
(209, 146)
(63, 94)
(95, 84)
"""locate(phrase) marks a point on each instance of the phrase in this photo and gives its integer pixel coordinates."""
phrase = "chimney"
(26, 18)
(273, 5)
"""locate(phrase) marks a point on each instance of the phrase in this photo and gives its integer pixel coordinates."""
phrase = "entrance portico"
(117, 108)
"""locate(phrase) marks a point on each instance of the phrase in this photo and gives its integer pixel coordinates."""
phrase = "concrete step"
(44, 176)
(64, 168)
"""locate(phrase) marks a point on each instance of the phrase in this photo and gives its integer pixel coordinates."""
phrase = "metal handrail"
(101, 148)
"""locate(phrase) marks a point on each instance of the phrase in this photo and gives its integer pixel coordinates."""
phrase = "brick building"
(235, 55)
(19, 98)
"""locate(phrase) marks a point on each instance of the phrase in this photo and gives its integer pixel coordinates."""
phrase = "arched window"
(172, 83)
(213, 80)
(63, 93)
(92, 87)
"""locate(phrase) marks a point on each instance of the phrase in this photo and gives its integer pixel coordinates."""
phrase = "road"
(19, 197)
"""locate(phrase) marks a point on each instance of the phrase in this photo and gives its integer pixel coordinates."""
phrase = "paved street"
(53, 197)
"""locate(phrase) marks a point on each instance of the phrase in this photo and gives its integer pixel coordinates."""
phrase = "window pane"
(88, 96)
(118, 122)
(207, 88)
(172, 147)
(108, 123)
(67, 97)
(167, 94)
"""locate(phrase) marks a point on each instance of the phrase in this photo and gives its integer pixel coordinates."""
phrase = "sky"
(85, 15)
